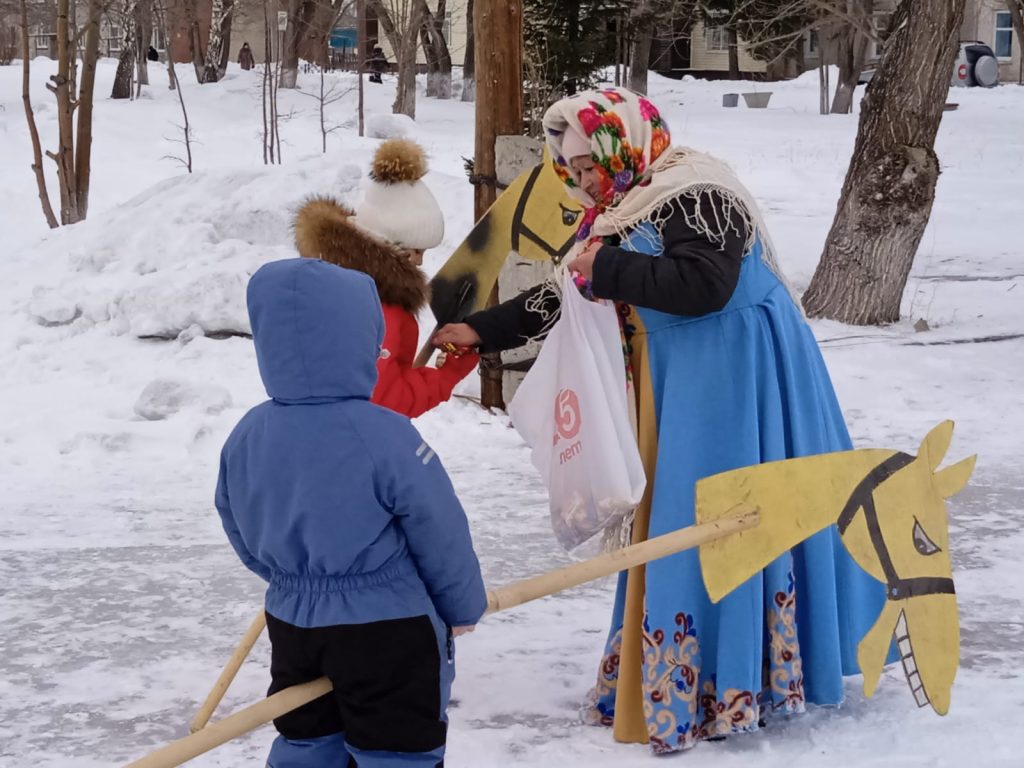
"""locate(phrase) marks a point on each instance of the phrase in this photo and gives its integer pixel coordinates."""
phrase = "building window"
(716, 39)
(880, 23)
(812, 42)
(1004, 35)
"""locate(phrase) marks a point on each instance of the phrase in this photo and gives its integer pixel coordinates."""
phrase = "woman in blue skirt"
(725, 373)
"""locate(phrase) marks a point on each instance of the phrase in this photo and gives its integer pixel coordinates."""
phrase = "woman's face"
(591, 175)
(415, 256)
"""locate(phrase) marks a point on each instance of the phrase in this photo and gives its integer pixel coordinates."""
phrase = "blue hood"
(318, 330)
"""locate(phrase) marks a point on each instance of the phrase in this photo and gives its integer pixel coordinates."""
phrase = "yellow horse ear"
(935, 444)
(951, 480)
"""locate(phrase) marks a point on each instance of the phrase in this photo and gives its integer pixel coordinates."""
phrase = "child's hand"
(457, 631)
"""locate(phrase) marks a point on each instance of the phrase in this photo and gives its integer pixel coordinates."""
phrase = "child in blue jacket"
(348, 514)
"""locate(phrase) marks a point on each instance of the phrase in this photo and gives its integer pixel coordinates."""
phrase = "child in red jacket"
(397, 221)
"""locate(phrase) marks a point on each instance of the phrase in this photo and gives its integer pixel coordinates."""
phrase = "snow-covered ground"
(120, 599)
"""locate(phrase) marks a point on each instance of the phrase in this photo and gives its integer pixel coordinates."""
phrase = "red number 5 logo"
(567, 414)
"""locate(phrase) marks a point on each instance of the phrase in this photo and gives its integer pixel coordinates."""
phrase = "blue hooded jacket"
(338, 503)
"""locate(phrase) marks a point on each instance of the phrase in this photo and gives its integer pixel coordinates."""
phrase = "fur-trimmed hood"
(325, 229)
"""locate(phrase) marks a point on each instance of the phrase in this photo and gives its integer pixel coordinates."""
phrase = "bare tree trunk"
(618, 52)
(640, 50)
(271, 138)
(86, 97)
(289, 55)
(225, 42)
(186, 128)
(402, 33)
(823, 87)
(1016, 9)
(126, 62)
(435, 48)
(145, 28)
(220, 39)
(890, 185)
(852, 52)
(468, 63)
(161, 21)
(362, 38)
(734, 54)
(405, 97)
(64, 157)
(429, 52)
(195, 39)
(26, 98)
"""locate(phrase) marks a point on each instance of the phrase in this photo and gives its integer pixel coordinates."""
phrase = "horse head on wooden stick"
(890, 511)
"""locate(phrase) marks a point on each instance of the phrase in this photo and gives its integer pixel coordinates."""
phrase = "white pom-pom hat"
(398, 206)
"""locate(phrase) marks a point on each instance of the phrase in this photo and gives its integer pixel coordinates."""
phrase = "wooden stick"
(228, 674)
(245, 720)
(620, 560)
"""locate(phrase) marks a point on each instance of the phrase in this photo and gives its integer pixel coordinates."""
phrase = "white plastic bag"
(572, 410)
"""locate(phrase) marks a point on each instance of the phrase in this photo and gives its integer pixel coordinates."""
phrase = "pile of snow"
(388, 126)
(177, 256)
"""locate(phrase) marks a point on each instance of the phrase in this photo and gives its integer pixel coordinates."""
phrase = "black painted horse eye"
(922, 543)
(569, 216)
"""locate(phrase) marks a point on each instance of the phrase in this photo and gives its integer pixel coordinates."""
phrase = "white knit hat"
(397, 205)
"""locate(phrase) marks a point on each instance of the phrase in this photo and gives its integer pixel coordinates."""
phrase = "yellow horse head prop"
(534, 217)
(891, 514)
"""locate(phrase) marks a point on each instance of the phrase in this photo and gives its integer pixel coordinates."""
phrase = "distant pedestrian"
(378, 65)
(245, 58)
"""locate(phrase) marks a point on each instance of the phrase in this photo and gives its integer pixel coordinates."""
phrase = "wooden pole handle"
(233, 726)
(228, 674)
(245, 720)
(738, 519)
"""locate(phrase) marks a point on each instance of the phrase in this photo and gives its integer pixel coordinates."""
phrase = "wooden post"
(361, 61)
(498, 60)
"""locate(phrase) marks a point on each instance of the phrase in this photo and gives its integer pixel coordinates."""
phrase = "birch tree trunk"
(890, 185)
(145, 29)
(225, 39)
(220, 40)
(126, 61)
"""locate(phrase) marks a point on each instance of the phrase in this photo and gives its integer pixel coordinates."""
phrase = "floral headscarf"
(627, 134)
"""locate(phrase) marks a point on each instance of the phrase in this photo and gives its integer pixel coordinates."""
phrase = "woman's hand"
(584, 262)
(457, 334)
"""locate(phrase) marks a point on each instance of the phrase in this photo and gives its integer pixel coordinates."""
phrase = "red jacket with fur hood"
(324, 229)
